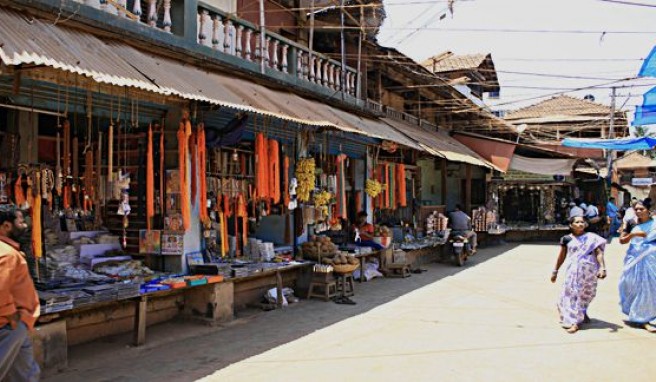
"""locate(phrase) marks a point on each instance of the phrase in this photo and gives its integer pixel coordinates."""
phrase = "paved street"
(495, 319)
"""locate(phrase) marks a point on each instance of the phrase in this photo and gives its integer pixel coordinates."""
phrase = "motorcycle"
(460, 248)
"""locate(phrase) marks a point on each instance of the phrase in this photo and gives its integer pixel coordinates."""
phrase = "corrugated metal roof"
(440, 144)
(453, 63)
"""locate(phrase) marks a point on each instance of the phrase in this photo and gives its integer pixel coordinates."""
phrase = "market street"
(493, 320)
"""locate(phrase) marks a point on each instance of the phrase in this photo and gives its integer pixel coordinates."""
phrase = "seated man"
(365, 232)
(461, 223)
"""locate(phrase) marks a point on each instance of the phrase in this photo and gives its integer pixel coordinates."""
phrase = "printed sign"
(150, 242)
(641, 181)
(172, 243)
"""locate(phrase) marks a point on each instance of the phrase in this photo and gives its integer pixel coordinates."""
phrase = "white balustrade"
(331, 76)
(267, 42)
(136, 8)
(247, 44)
(202, 27)
(258, 47)
(239, 43)
(217, 33)
(312, 71)
(166, 21)
(338, 79)
(300, 66)
(285, 49)
(274, 58)
(325, 80)
(152, 13)
(228, 42)
(317, 71)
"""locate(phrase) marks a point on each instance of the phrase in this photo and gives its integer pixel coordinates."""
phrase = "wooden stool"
(345, 285)
(327, 287)
(398, 270)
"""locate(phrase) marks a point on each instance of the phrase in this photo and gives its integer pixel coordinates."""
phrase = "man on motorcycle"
(461, 224)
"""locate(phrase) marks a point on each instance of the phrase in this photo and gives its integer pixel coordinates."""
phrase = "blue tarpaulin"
(645, 114)
(619, 144)
(648, 68)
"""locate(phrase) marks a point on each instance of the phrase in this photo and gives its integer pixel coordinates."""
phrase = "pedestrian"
(593, 218)
(575, 210)
(585, 254)
(629, 215)
(19, 306)
(638, 280)
(613, 217)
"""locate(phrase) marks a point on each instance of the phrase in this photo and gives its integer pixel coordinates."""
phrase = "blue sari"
(638, 281)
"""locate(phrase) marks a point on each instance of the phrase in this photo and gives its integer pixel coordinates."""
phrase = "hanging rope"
(150, 180)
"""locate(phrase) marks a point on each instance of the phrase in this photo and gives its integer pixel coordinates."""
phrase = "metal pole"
(311, 38)
(262, 37)
(341, 21)
(358, 89)
(611, 134)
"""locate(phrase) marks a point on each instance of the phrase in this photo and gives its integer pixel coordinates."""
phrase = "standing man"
(575, 210)
(613, 217)
(461, 222)
(19, 306)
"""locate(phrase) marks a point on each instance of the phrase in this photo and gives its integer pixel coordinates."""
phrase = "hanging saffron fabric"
(224, 238)
(182, 167)
(19, 195)
(227, 210)
(341, 186)
(193, 154)
(150, 181)
(390, 189)
(37, 248)
(202, 154)
(285, 176)
(401, 185)
(262, 167)
(387, 185)
(88, 175)
(162, 154)
(274, 170)
(67, 196)
(242, 212)
(358, 201)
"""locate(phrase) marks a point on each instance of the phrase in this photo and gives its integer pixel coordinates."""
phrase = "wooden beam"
(468, 184)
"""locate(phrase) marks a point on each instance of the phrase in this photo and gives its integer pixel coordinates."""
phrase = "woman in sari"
(638, 281)
(585, 254)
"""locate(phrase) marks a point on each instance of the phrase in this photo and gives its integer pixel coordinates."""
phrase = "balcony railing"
(227, 34)
(242, 39)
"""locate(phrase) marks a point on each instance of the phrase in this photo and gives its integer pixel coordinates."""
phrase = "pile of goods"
(382, 231)
(127, 269)
(305, 175)
(436, 222)
(340, 259)
(373, 188)
(482, 219)
(319, 247)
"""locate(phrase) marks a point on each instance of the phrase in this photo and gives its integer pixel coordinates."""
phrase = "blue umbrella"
(645, 114)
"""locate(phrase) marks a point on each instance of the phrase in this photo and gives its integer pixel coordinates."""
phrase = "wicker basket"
(345, 268)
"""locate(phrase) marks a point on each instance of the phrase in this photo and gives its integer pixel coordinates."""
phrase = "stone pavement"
(494, 319)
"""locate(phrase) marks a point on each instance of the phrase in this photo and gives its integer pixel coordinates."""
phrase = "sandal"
(650, 327)
(573, 329)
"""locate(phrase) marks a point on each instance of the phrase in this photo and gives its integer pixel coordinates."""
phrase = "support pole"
(611, 135)
(262, 38)
(343, 48)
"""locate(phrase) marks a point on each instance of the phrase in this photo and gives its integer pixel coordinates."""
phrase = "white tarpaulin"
(542, 166)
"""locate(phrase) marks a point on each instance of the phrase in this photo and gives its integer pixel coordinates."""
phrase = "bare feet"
(650, 328)
(573, 329)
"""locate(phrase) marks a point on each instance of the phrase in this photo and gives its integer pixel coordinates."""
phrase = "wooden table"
(277, 271)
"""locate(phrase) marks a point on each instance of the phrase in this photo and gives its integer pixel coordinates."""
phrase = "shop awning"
(619, 144)
(28, 41)
(494, 150)
(542, 166)
(440, 144)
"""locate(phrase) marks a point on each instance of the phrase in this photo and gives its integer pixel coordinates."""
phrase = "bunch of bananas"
(306, 178)
(322, 198)
(373, 188)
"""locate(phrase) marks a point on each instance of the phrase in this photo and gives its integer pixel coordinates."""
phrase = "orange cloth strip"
(150, 181)
(274, 170)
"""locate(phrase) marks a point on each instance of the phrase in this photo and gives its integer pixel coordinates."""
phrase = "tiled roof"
(454, 63)
(634, 160)
(561, 105)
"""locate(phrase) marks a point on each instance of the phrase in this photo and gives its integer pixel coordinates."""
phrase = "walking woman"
(638, 281)
(585, 254)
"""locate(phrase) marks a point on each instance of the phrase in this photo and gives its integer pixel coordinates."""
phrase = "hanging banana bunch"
(306, 178)
(373, 188)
